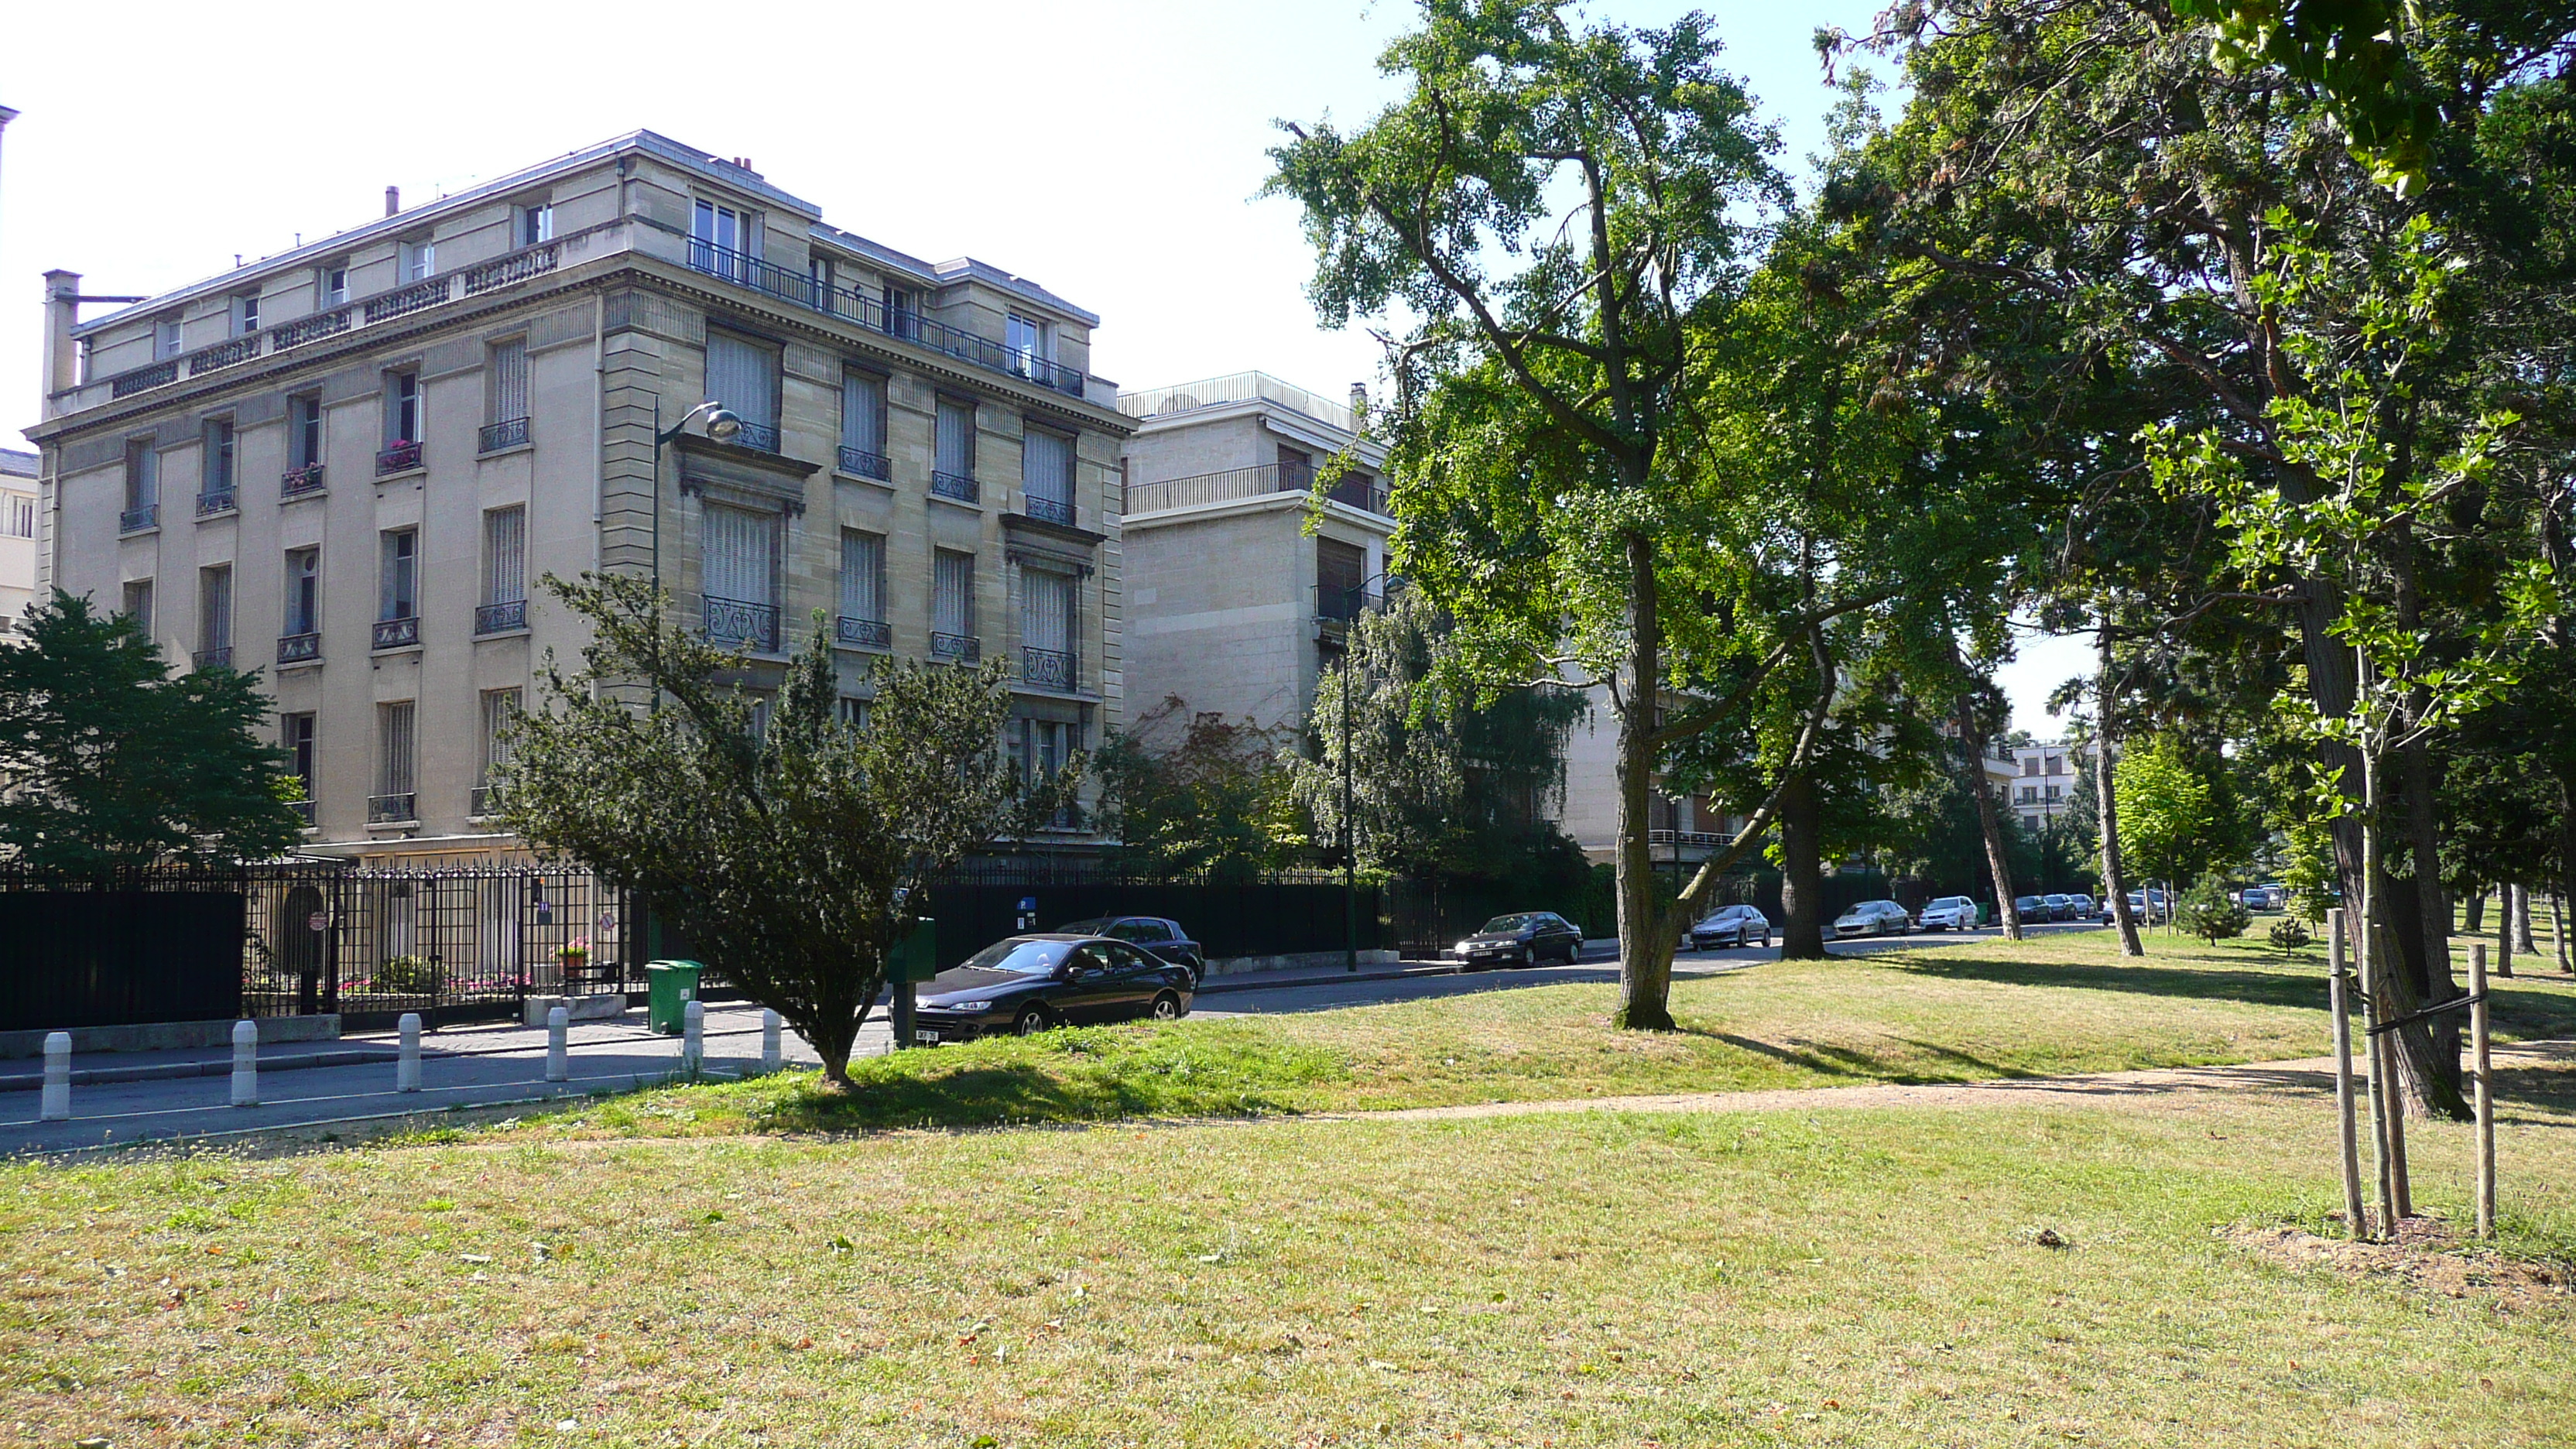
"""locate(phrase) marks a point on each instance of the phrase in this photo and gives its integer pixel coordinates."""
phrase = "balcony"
(224, 354)
(742, 624)
(219, 657)
(136, 520)
(759, 437)
(1238, 387)
(297, 482)
(221, 501)
(1050, 669)
(401, 456)
(744, 270)
(956, 648)
(863, 464)
(143, 379)
(512, 433)
(399, 808)
(1048, 510)
(1335, 604)
(960, 486)
(1368, 495)
(298, 648)
(500, 618)
(308, 329)
(864, 633)
(396, 633)
(413, 297)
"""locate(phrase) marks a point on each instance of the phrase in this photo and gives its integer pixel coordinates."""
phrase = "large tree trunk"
(2115, 885)
(2518, 920)
(1802, 884)
(1990, 823)
(2473, 912)
(2504, 929)
(2433, 983)
(1648, 931)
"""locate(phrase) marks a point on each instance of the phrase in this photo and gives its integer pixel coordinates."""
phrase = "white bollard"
(407, 1055)
(693, 1037)
(245, 1063)
(770, 1053)
(558, 1044)
(57, 1103)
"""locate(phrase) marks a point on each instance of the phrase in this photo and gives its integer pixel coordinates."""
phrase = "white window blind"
(1046, 466)
(400, 574)
(956, 438)
(952, 593)
(142, 476)
(863, 412)
(498, 706)
(138, 603)
(509, 380)
(862, 575)
(1046, 610)
(215, 607)
(742, 553)
(394, 753)
(743, 375)
(505, 555)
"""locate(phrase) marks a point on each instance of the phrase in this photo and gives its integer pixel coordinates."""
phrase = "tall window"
(954, 464)
(303, 591)
(165, 338)
(719, 237)
(395, 759)
(19, 518)
(862, 576)
(295, 732)
(743, 375)
(1027, 340)
(741, 585)
(1341, 572)
(215, 615)
(334, 284)
(505, 423)
(138, 603)
(1296, 469)
(142, 477)
(1046, 475)
(1040, 747)
(863, 425)
(1047, 628)
(899, 312)
(402, 408)
(536, 224)
(952, 603)
(399, 575)
(419, 260)
(215, 484)
(505, 555)
(304, 415)
(498, 706)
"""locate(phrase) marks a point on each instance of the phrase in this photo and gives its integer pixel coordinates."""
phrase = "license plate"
(925, 1036)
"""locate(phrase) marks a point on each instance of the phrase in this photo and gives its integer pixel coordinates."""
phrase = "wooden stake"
(2335, 995)
(2485, 1088)
(2399, 1176)
(2378, 1081)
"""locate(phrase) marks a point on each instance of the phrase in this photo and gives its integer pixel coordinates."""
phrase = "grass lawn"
(2053, 1005)
(1852, 1278)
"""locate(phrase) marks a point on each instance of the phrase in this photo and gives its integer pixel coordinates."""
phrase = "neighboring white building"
(1234, 604)
(2042, 787)
(17, 535)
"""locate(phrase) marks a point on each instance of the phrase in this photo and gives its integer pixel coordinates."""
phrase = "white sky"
(1109, 151)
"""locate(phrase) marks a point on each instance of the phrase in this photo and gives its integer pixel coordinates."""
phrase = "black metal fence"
(90, 953)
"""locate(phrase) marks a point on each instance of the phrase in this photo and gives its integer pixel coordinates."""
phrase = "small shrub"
(2206, 912)
(411, 976)
(2289, 934)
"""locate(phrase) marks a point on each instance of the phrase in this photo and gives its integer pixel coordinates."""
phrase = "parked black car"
(1731, 926)
(1028, 984)
(1525, 938)
(2032, 908)
(2060, 908)
(1151, 934)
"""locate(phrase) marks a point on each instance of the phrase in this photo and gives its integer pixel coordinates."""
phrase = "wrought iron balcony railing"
(296, 482)
(1367, 494)
(1337, 605)
(219, 657)
(399, 457)
(223, 354)
(957, 648)
(1050, 668)
(741, 623)
(502, 617)
(403, 301)
(397, 633)
(858, 462)
(143, 379)
(223, 500)
(1049, 510)
(865, 633)
(398, 808)
(760, 437)
(509, 433)
(960, 486)
(135, 520)
(297, 648)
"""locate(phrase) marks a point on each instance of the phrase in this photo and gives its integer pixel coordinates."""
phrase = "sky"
(1109, 151)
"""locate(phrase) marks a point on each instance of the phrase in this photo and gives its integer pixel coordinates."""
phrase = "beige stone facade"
(17, 535)
(349, 466)
(1236, 602)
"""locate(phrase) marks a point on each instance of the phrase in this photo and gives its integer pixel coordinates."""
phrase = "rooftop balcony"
(1366, 494)
(1239, 387)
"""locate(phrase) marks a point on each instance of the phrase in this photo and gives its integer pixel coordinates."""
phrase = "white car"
(1874, 918)
(1950, 913)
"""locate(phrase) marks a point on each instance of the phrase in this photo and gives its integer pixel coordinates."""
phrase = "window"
(245, 314)
(1046, 620)
(2055, 791)
(2030, 822)
(1341, 579)
(305, 440)
(956, 450)
(742, 555)
(1030, 342)
(2030, 764)
(498, 706)
(215, 615)
(505, 555)
(419, 260)
(303, 591)
(505, 423)
(536, 224)
(1040, 747)
(138, 603)
(863, 425)
(216, 466)
(295, 732)
(402, 408)
(862, 575)
(395, 757)
(165, 338)
(854, 712)
(1296, 469)
(952, 594)
(334, 284)
(18, 519)
(899, 312)
(1046, 475)
(142, 476)
(2056, 765)
(743, 375)
(399, 574)
(717, 240)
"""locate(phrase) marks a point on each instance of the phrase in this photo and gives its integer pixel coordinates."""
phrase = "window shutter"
(743, 375)
(510, 381)
(863, 413)
(505, 555)
(952, 606)
(742, 551)
(1046, 466)
(394, 757)
(1046, 610)
(862, 576)
(956, 439)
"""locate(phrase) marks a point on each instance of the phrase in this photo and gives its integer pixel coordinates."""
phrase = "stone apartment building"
(1236, 605)
(2042, 789)
(348, 466)
(17, 535)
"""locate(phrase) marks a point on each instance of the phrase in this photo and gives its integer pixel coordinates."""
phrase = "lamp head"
(722, 424)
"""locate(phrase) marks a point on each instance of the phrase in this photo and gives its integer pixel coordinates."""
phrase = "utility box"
(672, 986)
(916, 957)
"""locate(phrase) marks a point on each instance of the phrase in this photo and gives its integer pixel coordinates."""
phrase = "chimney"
(1359, 402)
(393, 200)
(62, 351)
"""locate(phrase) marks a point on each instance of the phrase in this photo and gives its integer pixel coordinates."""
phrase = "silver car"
(1874, 918)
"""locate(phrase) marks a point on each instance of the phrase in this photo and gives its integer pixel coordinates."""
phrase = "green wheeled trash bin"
(673, 985)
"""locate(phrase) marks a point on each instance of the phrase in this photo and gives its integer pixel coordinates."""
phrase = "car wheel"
(1032, 1019)
(1167, 1007)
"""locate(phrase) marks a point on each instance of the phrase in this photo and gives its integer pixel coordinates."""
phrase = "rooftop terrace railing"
(1236, 388)
(1199, 489)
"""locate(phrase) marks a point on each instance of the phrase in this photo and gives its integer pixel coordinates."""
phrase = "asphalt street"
(498, 1065)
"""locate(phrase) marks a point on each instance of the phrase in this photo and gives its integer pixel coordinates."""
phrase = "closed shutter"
(1046, 610)
(505, 555)
(862, 576)
(1046, 466)
(215, 608)
(956, 439)
(509, 381)
(394, 755)
(952, 602)
(743, 375)
(742, 552)
(863, 413)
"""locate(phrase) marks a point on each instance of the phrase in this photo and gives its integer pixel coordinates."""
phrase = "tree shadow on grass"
(2199, 983)
(1005, 1094)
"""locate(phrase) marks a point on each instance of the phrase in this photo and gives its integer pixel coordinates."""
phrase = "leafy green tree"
(1208, 803)
(2168, 819)
(112, 764)
(786, 849)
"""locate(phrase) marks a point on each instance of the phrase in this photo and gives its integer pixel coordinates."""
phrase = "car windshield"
(1085, 928)
(1020, 957)
(1500, 924)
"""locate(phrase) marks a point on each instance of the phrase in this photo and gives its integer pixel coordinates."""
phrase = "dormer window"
(1029, 340)
(165, 338)
(536, 224)
(245, 314)
(419, 260)
(334, 285)
(720, 240)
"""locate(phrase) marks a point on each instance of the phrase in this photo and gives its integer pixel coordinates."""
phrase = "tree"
(1206, 804)
(2166, 818)
(111, 764)
(785, 848)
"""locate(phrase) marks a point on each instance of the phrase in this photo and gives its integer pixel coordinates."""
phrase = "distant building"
(2042, 788)
(1234, 605)
(17, 535)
